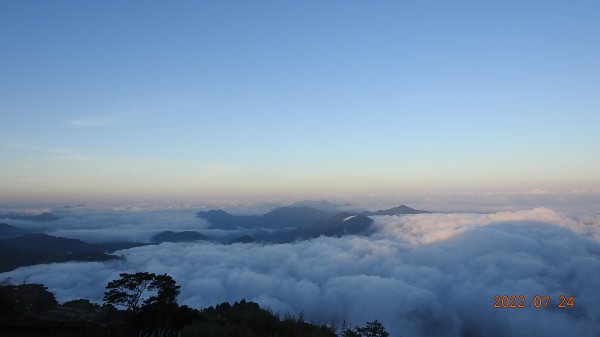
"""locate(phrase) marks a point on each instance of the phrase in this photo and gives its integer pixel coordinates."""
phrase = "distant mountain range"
(31, 249)
(308, 222)
(279, 218)
(336, 225)
(12, 258)
(186, 236)
(46, 216)
(8, 231)
(398, 210)
(74, 206)
(300, 221)
(58, 245)
(323, 205)
(242, 239)
(19, 247)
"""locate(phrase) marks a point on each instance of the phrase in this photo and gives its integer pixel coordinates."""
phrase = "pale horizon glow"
(274, 99)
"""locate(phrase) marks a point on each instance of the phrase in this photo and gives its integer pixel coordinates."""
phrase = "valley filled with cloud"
(433, 274)
(456, 143)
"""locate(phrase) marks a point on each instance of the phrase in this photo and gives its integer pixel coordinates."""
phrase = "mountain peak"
(398, 210)
(323, 205)
(8, 231)
(45, 216)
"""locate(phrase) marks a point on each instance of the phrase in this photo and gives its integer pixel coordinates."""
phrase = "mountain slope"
(300, 222)
(57, 245)
(337, 225)
(186, 236)
(33, 249)
(46, 216)
(398, 210)
(278, 218)
(323, 205)
(223, 220)
(291, 217)
(242, 239)
(8, 231)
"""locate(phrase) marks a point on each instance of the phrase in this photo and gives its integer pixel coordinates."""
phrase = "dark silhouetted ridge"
(278, 218)
(223, 220)
(398, 210)
(292, 217)
(323, 205)
(186, 236)
(337, 225)
(242, 239)
(8, 231)
(31, 249)
(46, 216)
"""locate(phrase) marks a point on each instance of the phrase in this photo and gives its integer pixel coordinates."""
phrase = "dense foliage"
(130, 289)
(150, 309)
(372, 329)
(247, 319)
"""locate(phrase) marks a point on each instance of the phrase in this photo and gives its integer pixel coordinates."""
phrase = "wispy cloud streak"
(90, 121)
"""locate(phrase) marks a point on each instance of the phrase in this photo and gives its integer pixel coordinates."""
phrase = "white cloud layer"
(421, 275)
(429, 228)
(93, 225)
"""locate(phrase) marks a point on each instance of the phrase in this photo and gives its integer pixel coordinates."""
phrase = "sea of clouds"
(421, 275)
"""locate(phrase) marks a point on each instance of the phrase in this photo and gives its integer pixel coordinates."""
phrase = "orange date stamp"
(538, 302)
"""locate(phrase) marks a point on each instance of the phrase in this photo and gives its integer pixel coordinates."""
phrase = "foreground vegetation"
(145, 304)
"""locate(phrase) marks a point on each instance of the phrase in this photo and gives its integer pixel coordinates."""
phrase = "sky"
(148, 99)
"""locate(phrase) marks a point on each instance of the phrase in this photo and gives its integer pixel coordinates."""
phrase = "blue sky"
(185, 99)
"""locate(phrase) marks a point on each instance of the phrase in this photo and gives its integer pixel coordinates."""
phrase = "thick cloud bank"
(421, 275)
(98, 225)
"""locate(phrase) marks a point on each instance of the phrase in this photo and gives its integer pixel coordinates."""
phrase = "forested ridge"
(145, 304)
